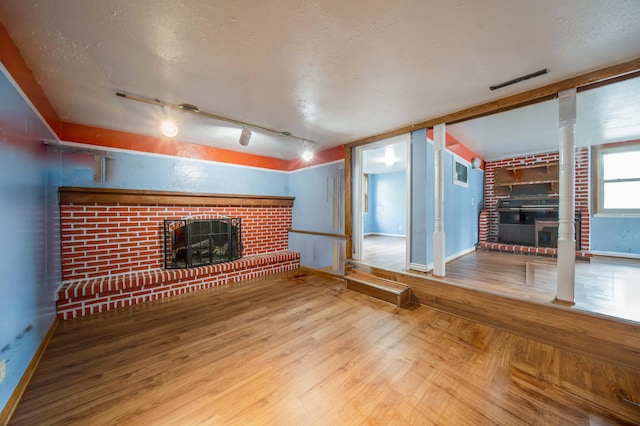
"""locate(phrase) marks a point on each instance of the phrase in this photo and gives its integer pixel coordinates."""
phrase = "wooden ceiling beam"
(587, 81)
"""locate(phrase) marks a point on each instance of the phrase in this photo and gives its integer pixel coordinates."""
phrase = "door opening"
(381, 197)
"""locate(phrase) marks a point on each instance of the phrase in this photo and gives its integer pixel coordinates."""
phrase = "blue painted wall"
(418, 213)
(318, 192)
(367, 223)
(615, 234)
(315, 189)
(462, 205)
(30, 237)
(144, 171)
(387, 201)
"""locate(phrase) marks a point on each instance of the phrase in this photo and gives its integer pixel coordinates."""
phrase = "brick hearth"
(112, 245)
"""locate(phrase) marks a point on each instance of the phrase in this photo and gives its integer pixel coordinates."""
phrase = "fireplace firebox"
(190, 242)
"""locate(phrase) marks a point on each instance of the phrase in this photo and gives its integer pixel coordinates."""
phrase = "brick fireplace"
(112, 245)
(489, 219)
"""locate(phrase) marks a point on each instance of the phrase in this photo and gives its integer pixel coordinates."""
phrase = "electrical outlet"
(3, 370)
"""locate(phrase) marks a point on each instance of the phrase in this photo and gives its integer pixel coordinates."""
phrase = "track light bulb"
(169, 128)
(245, 136)
(307, 155)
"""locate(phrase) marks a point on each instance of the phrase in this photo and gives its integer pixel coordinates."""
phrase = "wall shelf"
(532, 166)
(539, 177)
(76, 195)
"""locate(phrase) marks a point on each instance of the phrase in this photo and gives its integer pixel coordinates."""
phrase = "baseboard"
(429, 267)
(12, 403)
(382, 234)
(459, 254)
(418, 267)
(616, 254)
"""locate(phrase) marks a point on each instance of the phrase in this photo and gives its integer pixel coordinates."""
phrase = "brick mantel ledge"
(83, 196)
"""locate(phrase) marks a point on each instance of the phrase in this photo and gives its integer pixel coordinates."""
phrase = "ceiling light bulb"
(169, 128)
(307, 155)
(245, 136)
(389, 156)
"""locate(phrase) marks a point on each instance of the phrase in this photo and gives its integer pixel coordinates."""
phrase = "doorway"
(382, 201)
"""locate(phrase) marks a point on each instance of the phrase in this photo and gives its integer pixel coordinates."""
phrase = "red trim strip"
(134, 142)
(108, 138)
(321, 157)
(13, 61)
(455, 146)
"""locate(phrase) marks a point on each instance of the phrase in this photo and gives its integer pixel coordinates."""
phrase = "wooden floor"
(385, 252)
(297, 349)
(606, 286)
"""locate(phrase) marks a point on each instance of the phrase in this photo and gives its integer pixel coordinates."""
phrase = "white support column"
(566, 230)
(438, 235)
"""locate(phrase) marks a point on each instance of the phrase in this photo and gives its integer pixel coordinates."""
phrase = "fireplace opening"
(197, 242)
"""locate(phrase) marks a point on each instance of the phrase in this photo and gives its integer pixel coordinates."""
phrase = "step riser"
(399, 300)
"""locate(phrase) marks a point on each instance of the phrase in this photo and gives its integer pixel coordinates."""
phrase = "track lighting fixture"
(245, 136)
(307, 154)
(389, 156)
(168, 127)
(171, 129)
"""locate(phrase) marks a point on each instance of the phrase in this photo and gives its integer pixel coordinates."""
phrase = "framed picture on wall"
(460, 172)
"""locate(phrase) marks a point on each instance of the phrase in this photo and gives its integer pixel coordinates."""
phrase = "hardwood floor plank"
(298, 348)
(607, 286)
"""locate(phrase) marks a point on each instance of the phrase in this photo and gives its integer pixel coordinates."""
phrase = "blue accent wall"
(319, 195)
(144, 171)
(367, 223)
(387, 204)
(418, 213)
(30, 236)
(615, 234)
(318, 190)
(462, 205)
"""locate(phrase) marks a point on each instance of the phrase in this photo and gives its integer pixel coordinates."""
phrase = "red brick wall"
(489, 219)
(582, 196)
(100, 240)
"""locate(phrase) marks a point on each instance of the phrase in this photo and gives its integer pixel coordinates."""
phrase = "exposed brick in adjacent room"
(489, 218)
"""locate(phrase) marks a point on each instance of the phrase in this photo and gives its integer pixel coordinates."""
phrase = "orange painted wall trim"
(321, 157)
(458, 148)
(107, 138)
(13, 61)
(154, 145)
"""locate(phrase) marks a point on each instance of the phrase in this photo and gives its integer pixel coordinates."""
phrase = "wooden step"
(380, 288)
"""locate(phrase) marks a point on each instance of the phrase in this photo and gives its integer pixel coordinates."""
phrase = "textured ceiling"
(330, 71)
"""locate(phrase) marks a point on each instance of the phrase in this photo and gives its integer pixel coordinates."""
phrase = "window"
(460, 173)
(618, 179)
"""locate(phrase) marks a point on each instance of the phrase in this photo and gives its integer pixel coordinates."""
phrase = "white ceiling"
(606, 114)
(374, 157)
(331, 71)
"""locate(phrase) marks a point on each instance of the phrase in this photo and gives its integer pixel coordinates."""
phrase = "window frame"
(598, 177)
(456, 179)
(365, 191)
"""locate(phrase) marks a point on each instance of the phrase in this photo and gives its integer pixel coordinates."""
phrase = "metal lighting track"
(195, 110)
